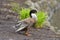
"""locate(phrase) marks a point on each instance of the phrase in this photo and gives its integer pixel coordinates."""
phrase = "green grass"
(24, 13)
(41, 19)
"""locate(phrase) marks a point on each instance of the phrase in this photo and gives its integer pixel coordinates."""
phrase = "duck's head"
(33, 14)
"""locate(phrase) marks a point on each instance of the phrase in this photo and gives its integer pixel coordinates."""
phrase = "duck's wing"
(23, 24)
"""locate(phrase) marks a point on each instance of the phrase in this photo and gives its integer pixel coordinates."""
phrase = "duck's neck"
(34, 16)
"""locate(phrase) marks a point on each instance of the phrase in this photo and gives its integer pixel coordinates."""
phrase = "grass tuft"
(24, 13)
(41, 19)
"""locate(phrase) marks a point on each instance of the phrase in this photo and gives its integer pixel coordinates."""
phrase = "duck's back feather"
(24, 23)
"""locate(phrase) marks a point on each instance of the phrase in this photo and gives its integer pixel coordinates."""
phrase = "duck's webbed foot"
(27, 32)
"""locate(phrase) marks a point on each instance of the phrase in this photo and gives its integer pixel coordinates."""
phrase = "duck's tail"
(20, 26)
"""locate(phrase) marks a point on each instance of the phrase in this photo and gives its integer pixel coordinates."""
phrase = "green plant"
(41, 19)
(24, 13)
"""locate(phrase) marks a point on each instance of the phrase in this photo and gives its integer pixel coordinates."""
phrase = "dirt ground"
(7, 32)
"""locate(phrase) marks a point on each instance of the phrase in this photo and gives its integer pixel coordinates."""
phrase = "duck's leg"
(27, 32)
(28, 29)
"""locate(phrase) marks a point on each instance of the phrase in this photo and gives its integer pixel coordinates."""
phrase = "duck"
(27, 23)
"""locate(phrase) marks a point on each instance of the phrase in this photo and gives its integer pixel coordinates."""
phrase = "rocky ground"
(7, 32)
(8, 19)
